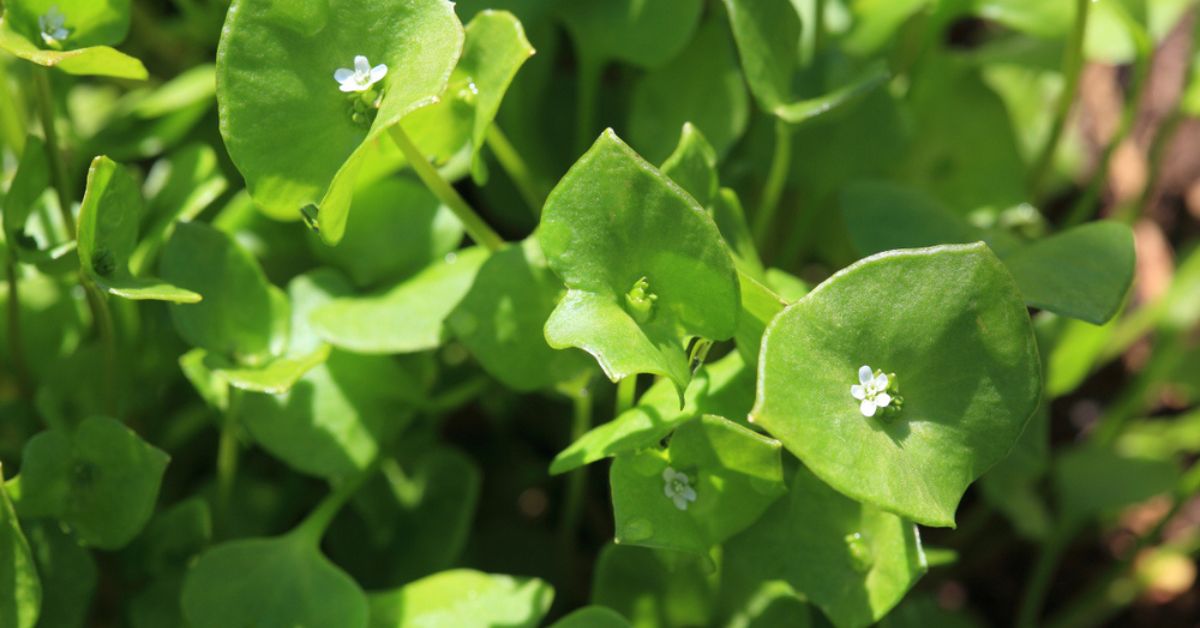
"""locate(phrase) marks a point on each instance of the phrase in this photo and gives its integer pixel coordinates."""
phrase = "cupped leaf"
(463, 597)
(237, 316)
(275, 80)
(500, 320)
(20, 588)
(700, 86)
(406, 318)
(398, 228)
(724, 387)
(634, 295)
(948, 325)
(283, 581)
(108, 230)
(852, 560)
(646, 34)
(712, 481)
(1083, 272)
(101, 480)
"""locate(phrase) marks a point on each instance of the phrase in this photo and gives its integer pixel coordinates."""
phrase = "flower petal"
(680, 502)
(361, 65)
(689, 494)
(858, 392)
(668, 474)
(883, 399)
(881, 382)
(342, 75)
(349, 86)
(378, 72)
(867, 408)
(865, 375)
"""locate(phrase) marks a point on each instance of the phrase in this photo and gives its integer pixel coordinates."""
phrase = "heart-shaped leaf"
(101, 480)
(634, 297)
(853, 561)
(463, 597)
(237, 316)
(724, 388)
(700, 86)
(406, 318)
(713, 480)
(283, 581)
(276, 70)
(71, 35)
(500, 320)
(20, 588)
(108, 229)
(945, 329)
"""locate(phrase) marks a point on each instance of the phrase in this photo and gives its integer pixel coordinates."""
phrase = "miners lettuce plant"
(315, 332)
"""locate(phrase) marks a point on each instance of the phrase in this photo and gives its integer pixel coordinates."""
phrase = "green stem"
(317, 522)
(577, 479)
(475, 226)
(12, 115)
(1072, 69)
(16, 347)
(587, 93)
(781, 160)
(58, 171)
(1039, 582)
(227, 460)
(533, 193)
(102, 319)
(626, 391)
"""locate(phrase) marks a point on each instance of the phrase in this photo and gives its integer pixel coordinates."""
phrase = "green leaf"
(89, 22)
(1083, 272)
(759, 308)
(1093, 481)
(494, 51)
(283, 581)
(108, 228)
(173, 538)
(466, 598)
(1013, 485)
(693, 165)
(634, 296)
(275, 69)
(178, 188)
(87, 61)
(274, 377)
(948, 323)
(398, 228)
(645, 34)
(767, 33)
(724, 387)
(406, 318)
(20, 588)
(67, 572)
(236, 317)
(800, 111)
(712, 481)
(592, 617)
(654, 587)
(853, 561)
(29, 182)
(700, 86)
(731, 220)
(500, 320)
(101, 480)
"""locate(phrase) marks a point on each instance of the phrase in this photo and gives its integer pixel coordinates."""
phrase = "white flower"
(362, 77)
(678, 488)
(871, 390)
(52, 26)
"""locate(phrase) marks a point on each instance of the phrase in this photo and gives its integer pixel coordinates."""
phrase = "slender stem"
(227, 459)
(818, 36)
(1129, 212)
(1072, 69)
(314, 525)
(781, 160)
(586, 105)
(102, 319)
(16, 347)
(626, 391)
(1038, 584)
(533, 193)
(577, 479)
(58, 171)
(479, 230)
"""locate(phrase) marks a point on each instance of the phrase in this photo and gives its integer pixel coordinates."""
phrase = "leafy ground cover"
(599, 314)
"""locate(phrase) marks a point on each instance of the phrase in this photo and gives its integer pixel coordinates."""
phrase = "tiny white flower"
(52, 25)
(871, 391)
(678, 488)
(362, 77)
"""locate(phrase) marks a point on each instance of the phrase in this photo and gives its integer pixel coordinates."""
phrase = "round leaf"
(949, 323)
(466, 598)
